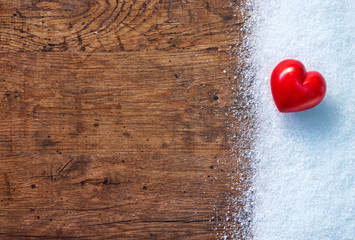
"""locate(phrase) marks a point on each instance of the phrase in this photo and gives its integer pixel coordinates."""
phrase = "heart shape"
(294, 89)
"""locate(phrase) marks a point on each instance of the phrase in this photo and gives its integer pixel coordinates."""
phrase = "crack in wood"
(157, 221)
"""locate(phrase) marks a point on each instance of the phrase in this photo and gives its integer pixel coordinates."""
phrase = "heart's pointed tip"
(284, 111)
(287, 111)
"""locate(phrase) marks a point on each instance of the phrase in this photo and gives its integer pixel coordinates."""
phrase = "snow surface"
(305, 162)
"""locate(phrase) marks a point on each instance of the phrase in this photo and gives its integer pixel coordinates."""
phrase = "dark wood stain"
(111, 126)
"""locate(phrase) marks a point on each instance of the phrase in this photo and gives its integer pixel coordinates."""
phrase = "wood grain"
(112, 25)
(114, 115)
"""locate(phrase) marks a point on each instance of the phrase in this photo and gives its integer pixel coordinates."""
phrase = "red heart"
(294, 89)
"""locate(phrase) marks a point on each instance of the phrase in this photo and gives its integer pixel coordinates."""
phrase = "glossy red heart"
(294, 89)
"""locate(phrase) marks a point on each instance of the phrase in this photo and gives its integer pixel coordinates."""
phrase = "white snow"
(305, 161)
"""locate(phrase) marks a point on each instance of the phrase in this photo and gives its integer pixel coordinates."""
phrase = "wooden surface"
(114, 115)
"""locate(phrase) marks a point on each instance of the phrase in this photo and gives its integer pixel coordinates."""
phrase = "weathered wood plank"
(115, 134)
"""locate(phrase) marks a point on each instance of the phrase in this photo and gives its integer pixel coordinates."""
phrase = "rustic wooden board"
(113, 118)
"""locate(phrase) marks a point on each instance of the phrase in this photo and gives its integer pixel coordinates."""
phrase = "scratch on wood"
(65, 165)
